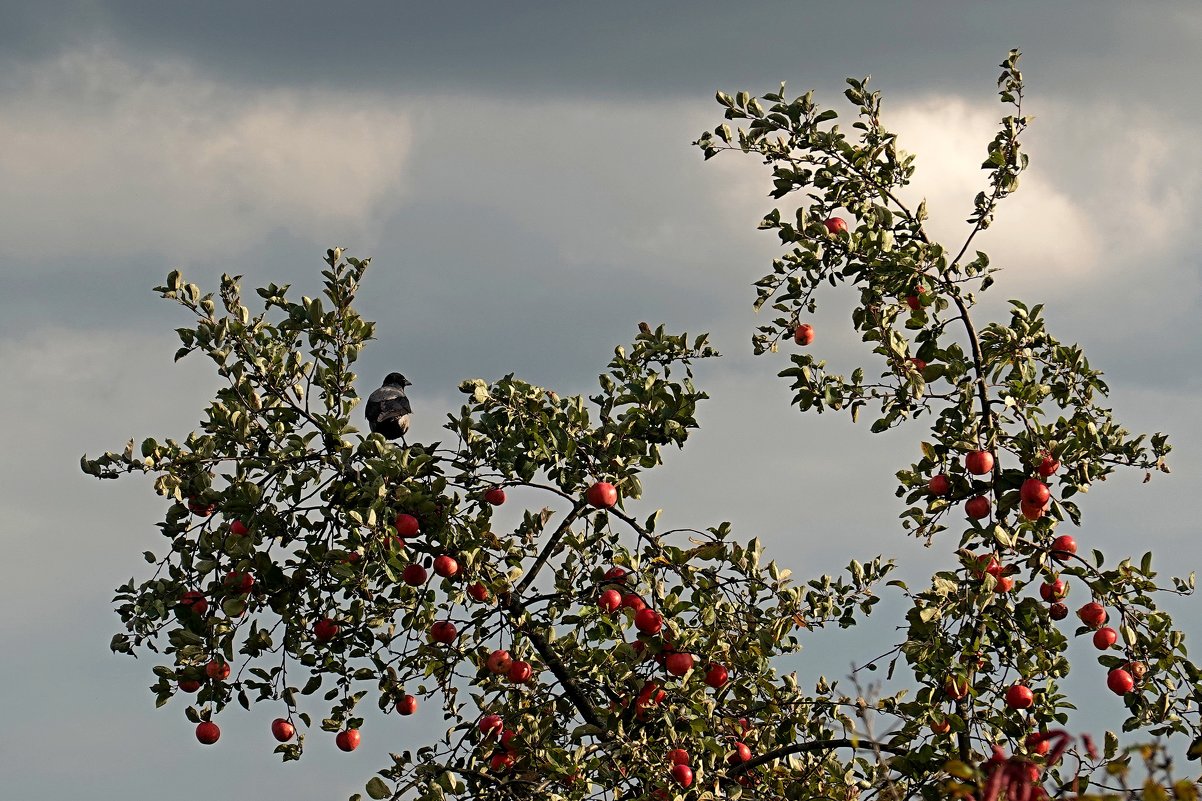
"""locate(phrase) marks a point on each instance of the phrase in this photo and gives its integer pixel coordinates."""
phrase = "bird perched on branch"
(388, 409)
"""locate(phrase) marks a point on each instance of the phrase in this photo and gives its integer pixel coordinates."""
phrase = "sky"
(521, 174)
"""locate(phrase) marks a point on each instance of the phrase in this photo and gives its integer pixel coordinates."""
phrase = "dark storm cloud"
(524, 48)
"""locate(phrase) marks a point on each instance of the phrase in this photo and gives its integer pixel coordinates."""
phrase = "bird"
(388, 409)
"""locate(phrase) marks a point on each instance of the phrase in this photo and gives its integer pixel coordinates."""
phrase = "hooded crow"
(388, 409)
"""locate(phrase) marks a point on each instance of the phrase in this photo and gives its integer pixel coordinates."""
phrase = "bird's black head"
(396, 380)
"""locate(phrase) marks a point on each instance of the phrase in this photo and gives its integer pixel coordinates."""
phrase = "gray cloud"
(622, 48)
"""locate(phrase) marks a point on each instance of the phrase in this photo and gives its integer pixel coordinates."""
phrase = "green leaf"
(376, 788)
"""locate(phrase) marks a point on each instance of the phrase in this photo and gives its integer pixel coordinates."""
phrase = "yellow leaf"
(1154, 791)
(1185, 790)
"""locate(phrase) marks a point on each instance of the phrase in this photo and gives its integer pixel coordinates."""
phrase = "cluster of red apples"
(613, 599)
(1034, 500)
(1034, 495)
(600, 495)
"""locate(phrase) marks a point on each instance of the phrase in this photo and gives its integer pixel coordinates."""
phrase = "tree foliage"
(289, 552)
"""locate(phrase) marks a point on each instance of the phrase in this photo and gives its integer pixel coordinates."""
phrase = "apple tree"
(588, 652)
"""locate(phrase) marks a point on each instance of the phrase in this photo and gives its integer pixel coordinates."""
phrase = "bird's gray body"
(388, 408)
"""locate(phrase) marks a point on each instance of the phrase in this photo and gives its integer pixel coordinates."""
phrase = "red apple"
(477, 592)
(602, 495)
(648, 621)
(679, 664)
(347, 740)
(986, 563)
(444, 632)
(1138, 669)
(1004, 584)
(633, 603)
(499, 662)
(407, 705)
(207, 732)
(446, 566)
(977, 507)
(683, 775)
(1063, 547)
(1034, 492)
(495, 496)
(189, 685)
(716, 676)
(803, 334)
(282, 730)
(1120, 682)
(217, 670)
(1047, 466)
(979, 462)
(678, 756)
(615, 575)
(918, 363)
(507, 740)
(1031, 511)
(325, 629)
(739, 755)
(414, 575)
(836, 225)
(200, 508)
(1019, 696)
(195, 602)
(491, 725)
(240, 583)
(955, 687)
(500, 762)
(914, 301)
(609, 600)
(650, 695)
(1052, 591)
(520, 672)
(939, 485)
(1058, 611)
(406, 525)
(239, 529)
(1093, 614)
(941, 726)
(1038, 743)
(1105, 638)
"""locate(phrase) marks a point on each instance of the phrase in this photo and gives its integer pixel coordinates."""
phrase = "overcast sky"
(521, 174)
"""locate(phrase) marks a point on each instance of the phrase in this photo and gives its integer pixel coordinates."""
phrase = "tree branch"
(810, 747)
(520, 619)
(549, 548)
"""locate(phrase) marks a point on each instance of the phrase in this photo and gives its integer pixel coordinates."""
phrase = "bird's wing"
(387, 403)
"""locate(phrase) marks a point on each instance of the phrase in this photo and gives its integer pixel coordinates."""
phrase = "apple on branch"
(347, 739)
(602, 495)
(207, 732)
(282, 730)
(407, 705)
